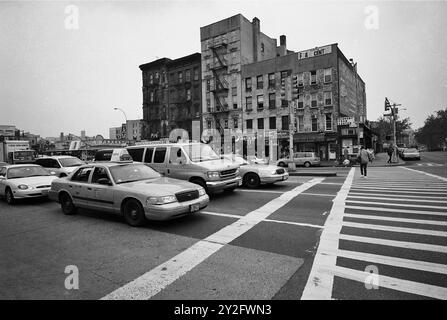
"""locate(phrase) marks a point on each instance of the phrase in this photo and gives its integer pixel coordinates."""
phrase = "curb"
(312, 174)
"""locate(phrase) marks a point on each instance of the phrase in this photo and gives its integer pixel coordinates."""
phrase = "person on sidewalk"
(364, 157)
(390, 153)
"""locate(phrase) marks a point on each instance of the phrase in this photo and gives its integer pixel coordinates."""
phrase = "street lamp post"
(125, 117)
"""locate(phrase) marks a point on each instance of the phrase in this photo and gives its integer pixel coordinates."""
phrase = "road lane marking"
(398, 188)
(405, 220)
(258, 191)
(392, 261)
(397, 199)
(398, 204)
(396, 191)
(155, 280)
(412, 287)
(426, 173)
(390, 196)
(435, 213)
(394, 229)
(319, 284)
(394, 243)
(228, 215)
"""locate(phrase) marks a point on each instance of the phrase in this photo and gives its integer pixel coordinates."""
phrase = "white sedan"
(22, 181)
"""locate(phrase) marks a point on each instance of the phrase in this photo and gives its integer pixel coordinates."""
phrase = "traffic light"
(295, 87)
(387, 104)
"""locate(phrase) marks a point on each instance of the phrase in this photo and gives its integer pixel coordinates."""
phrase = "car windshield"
(238, 159)
(24, 172)
(411, 150)
(70, 162)
(132, 172)
(200, 152)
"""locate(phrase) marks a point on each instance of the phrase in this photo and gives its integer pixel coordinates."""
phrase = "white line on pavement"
(396, 191)
(404, 220)
(392, 283)
(435, 213)
(427, 174)
(395, 243)
(319, 285)
(398, 204)
(394, 229)
(390, 196)
(397, 188)
(397, 199)
(155, 280)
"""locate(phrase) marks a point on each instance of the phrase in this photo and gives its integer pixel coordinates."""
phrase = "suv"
(306, 159)
(194, 162)
(60, 166)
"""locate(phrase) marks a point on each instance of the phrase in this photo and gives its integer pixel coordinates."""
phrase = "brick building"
(171, 95)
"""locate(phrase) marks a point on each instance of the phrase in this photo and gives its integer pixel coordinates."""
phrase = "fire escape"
(220, 88)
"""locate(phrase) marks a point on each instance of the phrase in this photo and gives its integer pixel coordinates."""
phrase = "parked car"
(22, 181)
(254, 174)
(306, 159)
(60, 166)
(3, 164)
(194, 162)
(410, 153)
(132, 190)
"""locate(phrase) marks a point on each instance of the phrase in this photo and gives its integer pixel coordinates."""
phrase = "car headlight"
(22, 186)
(160, 200)
(213, 174)
(202, 192)
(237, 171)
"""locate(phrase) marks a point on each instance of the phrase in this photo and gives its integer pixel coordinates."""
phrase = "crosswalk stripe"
(397, 188)
(395, 229)
(404, 220)
(392, 283)
(399, 191)
(391, 196)
(392, 261)
(436, 185)
(398, 204)
(395, 243)
(397, 199)
(434, 213)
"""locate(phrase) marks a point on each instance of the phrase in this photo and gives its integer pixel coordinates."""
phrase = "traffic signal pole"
(393, 117)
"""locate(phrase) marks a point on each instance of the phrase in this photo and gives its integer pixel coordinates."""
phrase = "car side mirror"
(104, 181)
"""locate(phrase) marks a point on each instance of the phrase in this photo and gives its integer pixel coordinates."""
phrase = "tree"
(434, 133)
(383, 128)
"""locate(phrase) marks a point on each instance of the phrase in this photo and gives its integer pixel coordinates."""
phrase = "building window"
(259, 82)
(208, 123)
(300, 123)
(313, 77)
(151, 78)
(262, 47)
(235, 105)
(260, 101)
(235, 123)
(272, 123)
(248, 103)
(271, 80)
(328, 121)
(151, 96)
(250, 124)
(313, 103)
(196, 74)
(328, 98)
(300, 101)
(208, 85)
(300, 79)
(285, 122)
(284, 74)
(314, 123)
(327, 75)
(247, 84)
(234, 91)
(226, 124)
(261, 123)
(180, 77)
(188, 75)
(188, 94)
(272, 100)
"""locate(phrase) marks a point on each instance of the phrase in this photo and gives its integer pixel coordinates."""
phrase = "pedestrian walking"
(364, 157)
(390, 153)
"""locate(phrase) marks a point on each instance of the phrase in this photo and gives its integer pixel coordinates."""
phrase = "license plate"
(194, 208)
(44, 192)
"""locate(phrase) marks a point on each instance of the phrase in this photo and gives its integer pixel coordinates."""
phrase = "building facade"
(171, 95)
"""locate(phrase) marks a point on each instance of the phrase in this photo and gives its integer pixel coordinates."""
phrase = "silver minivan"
(306, 159)
(194, 162)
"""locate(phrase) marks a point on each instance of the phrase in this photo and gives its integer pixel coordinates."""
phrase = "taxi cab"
(127, 188)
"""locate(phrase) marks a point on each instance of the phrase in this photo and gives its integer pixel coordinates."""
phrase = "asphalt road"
(273, 243)
(431, 162)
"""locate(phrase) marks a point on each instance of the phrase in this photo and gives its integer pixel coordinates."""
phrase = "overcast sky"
(54, 79)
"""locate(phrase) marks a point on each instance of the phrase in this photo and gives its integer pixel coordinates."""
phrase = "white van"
(194, 162)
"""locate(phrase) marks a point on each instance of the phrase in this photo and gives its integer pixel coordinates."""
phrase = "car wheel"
(282, 164)
(200, 182)
(134, 213)
(9, 196)
(67, 204)
(307, 164)
(251, 180)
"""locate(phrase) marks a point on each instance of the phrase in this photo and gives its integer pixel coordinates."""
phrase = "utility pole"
(393, 117)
